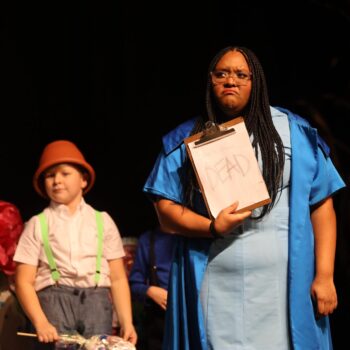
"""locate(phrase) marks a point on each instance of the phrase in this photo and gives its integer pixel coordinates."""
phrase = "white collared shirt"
(73, 241)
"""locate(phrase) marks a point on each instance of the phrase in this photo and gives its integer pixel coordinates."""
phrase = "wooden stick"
(27, 334)
(66, 337)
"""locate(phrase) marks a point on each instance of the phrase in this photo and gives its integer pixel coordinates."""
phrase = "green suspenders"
(45, 235)
(99, 223)
(53, 268)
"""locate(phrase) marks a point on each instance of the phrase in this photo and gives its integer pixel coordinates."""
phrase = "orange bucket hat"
(62, 151)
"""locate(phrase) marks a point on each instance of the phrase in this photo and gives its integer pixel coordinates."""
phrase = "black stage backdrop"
(99, 73)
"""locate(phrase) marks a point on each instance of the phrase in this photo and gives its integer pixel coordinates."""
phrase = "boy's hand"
(128, 333)
(46, 332)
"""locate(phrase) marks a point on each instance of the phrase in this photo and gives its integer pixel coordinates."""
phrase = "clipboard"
(226, 167)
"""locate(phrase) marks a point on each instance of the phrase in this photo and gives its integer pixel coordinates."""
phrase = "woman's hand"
(324, 295)
(227, 220)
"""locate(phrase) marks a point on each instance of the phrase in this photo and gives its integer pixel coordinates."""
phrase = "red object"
(11, 226)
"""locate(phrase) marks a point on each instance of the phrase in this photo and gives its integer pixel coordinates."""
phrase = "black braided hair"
(258, 120)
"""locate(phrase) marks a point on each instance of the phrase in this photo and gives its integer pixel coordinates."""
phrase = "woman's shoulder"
(292, 116)
(277, 111)
(175, 137)
(297, 119)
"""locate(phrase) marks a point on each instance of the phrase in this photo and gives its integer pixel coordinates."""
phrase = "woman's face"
(231, 80)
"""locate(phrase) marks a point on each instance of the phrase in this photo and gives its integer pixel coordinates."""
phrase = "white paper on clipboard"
(227, 169)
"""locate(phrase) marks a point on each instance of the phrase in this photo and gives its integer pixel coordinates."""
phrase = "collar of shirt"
(63, 211)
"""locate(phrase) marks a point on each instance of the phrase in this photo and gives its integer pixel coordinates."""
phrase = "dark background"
(98, 73)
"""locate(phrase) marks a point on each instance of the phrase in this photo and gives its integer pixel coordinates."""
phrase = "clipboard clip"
(212, 132)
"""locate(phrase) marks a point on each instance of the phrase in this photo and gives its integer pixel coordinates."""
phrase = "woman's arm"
(122, 299)
(25, 291)
(324, 224)
(174, 218)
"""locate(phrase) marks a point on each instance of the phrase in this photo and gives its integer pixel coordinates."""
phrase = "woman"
(250, 280)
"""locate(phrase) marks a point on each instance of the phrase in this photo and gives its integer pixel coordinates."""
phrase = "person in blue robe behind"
(260, 278)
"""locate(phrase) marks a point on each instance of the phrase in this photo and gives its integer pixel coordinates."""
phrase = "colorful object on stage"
(96, 342)
(70, 342)
(11, 226)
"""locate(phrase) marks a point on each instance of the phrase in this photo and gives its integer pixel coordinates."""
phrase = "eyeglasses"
(222, 76)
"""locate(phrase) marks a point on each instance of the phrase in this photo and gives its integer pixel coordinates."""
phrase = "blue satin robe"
(313, 178)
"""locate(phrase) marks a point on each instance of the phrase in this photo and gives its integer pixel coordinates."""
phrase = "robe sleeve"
(327, 180)
(165, 179)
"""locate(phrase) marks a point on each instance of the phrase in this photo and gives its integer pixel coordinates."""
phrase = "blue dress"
(195, 299)
(244, 290)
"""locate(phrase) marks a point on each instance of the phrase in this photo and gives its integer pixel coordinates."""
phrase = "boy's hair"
(58, 152)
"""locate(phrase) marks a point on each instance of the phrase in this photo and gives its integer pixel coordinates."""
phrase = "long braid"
(265, 136)
(257, 116)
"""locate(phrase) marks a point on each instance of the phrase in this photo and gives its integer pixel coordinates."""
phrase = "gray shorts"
(87, 311)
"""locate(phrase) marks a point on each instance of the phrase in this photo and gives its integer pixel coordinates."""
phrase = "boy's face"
(64, 184)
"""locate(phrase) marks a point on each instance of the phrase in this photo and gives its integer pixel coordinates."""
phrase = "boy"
(70, 257)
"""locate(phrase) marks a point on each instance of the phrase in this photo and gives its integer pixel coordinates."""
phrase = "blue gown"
(244, 290)
(195, 299)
